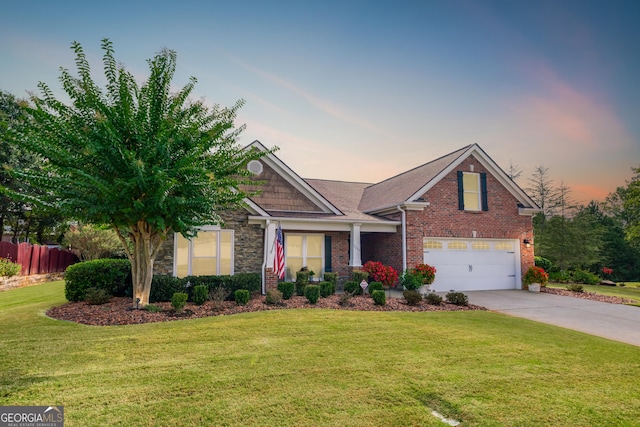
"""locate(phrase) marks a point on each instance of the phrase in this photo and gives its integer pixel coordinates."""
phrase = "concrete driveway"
(613, 321)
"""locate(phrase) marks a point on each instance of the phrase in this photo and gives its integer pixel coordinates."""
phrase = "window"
(210, 253)
(432, 244)
(457, 245)
(503, 246)
(472, 191)
(480, 246)
(303, 250)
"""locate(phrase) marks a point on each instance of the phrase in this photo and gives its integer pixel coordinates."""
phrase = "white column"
(355, 257)
(270, 243)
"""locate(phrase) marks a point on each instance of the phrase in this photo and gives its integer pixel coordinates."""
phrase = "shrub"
(410, 281)
(433, 298)
(274, 297)
(95, 296)
(217, 296)
(425, 272)
(302, 280)
(574, 287)
(412, 296)
(179, 301)
(200, 294)
(559, 277)
(312, 293)
(344, 300)
(242, 296)
(379, 272)
(287, 289)
(535, 275)
(543, 263)
(163, 287)
(9, 268)
(152, 308)
(375, 286)
(585, 277)
(457, 298)
(326, 289)
(331, 277)
(112, 275)
(358, 276)
(379, 297)
(353, 288)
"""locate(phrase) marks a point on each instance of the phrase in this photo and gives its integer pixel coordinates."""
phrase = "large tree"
(140, 158)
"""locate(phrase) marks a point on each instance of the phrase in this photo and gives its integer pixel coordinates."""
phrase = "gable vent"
(255, 167)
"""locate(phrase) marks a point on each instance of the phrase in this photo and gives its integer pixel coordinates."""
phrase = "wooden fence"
(37, 259)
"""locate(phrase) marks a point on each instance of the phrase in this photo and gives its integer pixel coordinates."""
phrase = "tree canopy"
(140, 158)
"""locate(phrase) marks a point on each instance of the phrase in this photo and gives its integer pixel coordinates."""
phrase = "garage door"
(473, 265)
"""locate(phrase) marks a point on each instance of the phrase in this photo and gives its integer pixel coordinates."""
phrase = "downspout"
(404, 237)
(265, 257)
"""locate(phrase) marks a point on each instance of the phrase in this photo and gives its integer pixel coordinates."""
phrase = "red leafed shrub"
(378, 272)
(535, 275)
(426, 272)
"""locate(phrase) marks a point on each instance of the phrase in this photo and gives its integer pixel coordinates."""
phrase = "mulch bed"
(119, 311)
(588, 295)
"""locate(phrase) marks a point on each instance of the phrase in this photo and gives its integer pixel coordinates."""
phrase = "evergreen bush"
(95, 296)
(112, 275)
(379, 297)
(287, 289)
(242, 296)
(312, 293)
(412, 296)
(179, 301)
(458, 298)
(200, 294)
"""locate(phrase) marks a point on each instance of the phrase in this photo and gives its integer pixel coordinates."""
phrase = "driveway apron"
(613, 321)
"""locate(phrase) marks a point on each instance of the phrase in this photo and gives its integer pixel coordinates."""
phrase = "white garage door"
(473, 265)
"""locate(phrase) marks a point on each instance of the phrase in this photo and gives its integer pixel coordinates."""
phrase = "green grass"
(313, 367)
(631, 290)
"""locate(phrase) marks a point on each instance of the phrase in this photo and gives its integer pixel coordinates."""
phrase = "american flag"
(278, 261)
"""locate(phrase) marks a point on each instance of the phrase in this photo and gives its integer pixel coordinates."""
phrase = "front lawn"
(313, 367)
(631, 290)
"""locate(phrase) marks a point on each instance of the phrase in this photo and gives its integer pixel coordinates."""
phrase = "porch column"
(355, 257)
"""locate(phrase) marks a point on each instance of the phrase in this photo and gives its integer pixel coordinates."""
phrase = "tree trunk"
(146, 244)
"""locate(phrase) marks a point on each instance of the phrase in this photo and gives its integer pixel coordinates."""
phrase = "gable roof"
(357, 201)
(400, 188)
(409, 186)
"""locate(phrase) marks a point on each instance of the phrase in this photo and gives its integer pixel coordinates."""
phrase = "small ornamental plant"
(378, 272)
(426, 272)
(535, 275)
(606, 272)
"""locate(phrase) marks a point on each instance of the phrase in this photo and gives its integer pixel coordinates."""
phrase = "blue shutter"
(484, 193)
(460, 192)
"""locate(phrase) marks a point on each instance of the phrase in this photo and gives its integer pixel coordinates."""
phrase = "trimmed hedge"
(312, 293)
(163, 286)
(287, 289)
(353, 288)
(111, 275)
(242, 296)
(375, 286)
(326, 289)
(379, 297)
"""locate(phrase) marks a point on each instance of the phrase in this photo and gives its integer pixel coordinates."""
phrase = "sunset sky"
(361, 91)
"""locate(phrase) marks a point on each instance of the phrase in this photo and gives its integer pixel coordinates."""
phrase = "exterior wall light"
(527, 243)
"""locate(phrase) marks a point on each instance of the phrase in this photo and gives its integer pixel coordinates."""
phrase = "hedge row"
(114, 277)
(163, 287)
